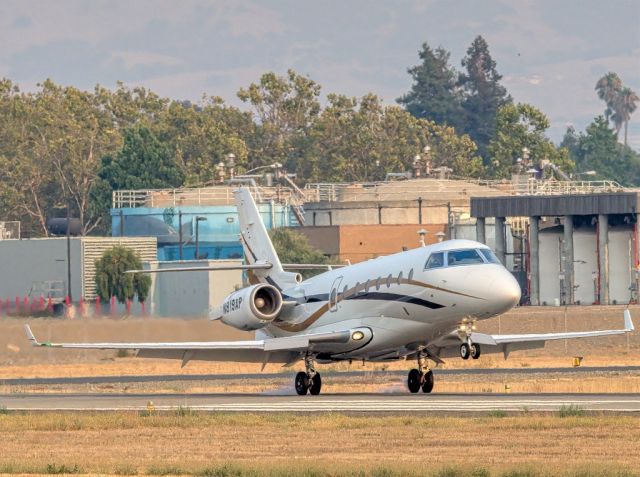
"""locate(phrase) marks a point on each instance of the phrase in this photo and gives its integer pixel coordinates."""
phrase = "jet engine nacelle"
(252, 308)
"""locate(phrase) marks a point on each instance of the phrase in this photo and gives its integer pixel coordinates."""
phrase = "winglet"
(30, 335)
(628, 324)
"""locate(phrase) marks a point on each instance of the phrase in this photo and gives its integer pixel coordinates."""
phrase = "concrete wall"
(191, 294)
(23, 262)
(585, 264)
(362, 242)
(549, 266)
(620, 264)
(366, 213)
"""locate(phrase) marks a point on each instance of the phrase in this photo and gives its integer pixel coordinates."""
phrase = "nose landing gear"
(421, 377)
(310, 380)
(470, 350)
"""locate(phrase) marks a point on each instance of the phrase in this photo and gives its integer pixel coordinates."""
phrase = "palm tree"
(625, 105)
(608, 88)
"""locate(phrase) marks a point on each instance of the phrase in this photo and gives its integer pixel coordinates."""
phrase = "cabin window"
(463, 257)
(410, 277)
(489, 255)
(378, 282)
(366, 286)
(344, 291)
(356, 290)
(389, 278)
(399, 278)
(436, 260)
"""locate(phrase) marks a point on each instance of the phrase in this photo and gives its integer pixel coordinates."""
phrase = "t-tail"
(257, 245)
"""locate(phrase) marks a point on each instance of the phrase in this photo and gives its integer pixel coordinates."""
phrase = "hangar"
(579, 248)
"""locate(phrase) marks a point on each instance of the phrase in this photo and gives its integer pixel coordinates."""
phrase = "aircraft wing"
(448, 346)
(285, 349)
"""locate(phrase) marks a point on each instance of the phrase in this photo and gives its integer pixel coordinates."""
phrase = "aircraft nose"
(505, 291)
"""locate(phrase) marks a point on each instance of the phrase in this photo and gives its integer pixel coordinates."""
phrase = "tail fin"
(257, 244)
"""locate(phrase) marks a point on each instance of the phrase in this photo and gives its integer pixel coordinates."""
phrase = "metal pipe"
(69, 252)
(180, 235)
(420, 210)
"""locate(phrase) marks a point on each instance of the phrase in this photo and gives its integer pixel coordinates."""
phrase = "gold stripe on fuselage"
(316, 315)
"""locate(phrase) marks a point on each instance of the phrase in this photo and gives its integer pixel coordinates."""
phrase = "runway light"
(357, 336)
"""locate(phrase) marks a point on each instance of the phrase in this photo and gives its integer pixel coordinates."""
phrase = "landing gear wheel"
(475, 351)
(465, 351)
(427, 384)
(414, 381)
(316, 385)
(302, 383)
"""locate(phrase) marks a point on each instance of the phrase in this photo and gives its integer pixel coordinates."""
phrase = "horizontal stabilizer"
(255, 266)
(311, 266)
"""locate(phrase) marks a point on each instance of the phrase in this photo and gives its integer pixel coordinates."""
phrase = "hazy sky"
(550, 52)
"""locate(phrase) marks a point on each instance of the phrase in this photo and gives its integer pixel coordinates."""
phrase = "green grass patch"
(572, 410)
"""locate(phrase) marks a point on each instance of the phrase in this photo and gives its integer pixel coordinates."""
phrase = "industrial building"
(579, 248)
(199, 223)
(32, 266)
(34, 270)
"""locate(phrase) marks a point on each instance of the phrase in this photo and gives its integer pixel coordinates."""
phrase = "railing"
(333, 192)
(359, 191)
(163, 198)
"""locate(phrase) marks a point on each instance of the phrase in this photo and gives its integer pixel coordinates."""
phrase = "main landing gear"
(310, 380)
(421, 377)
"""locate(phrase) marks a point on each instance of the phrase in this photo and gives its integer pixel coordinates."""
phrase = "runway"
(262, 376)
(361, 403)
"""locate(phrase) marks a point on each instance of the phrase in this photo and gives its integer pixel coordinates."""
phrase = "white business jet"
(421, 304)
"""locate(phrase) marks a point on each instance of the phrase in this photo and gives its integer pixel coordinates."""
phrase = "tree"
(625, 105)
(599, 150)
(111, 279)
(522, 126)
(362, 140)
(143, 163)
(608, 87)
(434, 95)
(620, 100)
(285, 109)
(52, 142)
(201, 136)
(293, 247)
(483, 94)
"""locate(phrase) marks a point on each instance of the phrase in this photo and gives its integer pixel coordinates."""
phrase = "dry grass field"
(183, 442)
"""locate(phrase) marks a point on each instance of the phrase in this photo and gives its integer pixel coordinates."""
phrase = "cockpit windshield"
(454, 258)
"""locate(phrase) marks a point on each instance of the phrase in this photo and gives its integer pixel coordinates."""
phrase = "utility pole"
(69, 251)
(180, 233)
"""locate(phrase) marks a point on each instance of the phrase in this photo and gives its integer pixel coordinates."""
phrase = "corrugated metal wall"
(94, 247)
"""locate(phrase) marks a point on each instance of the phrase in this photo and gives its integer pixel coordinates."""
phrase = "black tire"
(465, 351)
(427, 385)
(302, 383)
(414, 381)
(475, 351)
(316, 385)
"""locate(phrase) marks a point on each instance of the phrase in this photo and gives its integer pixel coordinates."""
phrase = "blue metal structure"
(217, 234)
